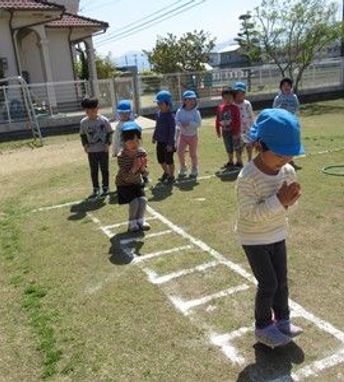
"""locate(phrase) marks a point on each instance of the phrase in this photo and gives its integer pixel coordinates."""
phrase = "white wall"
(60, 55)
(31, 57)
(72, 6)
(6, 48)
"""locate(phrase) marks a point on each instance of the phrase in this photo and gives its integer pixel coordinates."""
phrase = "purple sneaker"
(288, 329)
(271, 336)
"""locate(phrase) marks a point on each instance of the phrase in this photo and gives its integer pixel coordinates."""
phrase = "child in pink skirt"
(188, 121)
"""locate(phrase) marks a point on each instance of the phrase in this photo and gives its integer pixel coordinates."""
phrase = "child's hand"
(294, 192)
(86, 149)
(107, 148)
(169, 149)
(153, 141)
(282, 195)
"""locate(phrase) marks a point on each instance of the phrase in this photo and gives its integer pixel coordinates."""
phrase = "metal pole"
(7, 105)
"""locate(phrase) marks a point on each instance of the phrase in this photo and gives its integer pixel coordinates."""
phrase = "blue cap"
(124, 106)
(163, 96)
(189, 94)
(279, 130)
(240, 87)
(131, 126)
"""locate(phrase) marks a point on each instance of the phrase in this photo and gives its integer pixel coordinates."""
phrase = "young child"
(227, 125)
(125, 114)
(266, 188)
(132, 165)
(164, 135)
(96, 135)
(286, 99)
(188, 121)
(246, 113)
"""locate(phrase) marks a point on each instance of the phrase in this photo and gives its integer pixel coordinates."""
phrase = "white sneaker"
(288, 329)
(182, 172)
(133, 226)
(271, 336)
(143, 225)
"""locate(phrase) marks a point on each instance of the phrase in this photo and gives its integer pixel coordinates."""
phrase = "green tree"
(292, 33)
(186, 54)
(106, 67)
(249, 43)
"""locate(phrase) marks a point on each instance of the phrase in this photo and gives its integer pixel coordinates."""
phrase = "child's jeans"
(269, 266)
(231, 144)
(96, 161)
(183, 142)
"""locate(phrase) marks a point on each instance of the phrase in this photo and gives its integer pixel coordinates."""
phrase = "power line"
(87, 9)
(191, 4)
(140, 20)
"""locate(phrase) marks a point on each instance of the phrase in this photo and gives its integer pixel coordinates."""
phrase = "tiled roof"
(70, 20)
(29, 5)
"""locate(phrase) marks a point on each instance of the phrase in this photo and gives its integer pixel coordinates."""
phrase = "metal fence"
(64, 98)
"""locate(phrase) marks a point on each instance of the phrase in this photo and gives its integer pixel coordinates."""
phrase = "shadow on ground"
(120, 254)
(272, 364)
(227, 176)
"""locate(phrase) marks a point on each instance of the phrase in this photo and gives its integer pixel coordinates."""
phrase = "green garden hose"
(335, 169)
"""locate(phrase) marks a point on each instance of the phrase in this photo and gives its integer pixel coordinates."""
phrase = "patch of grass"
(41, 322)
(40, 319)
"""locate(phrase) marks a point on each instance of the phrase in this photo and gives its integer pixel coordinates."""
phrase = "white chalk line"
(223, 341)
(118, 225)
(166, 252)
(57, 206)
(185, 305)
(149, 236)
(318, 366)
(312, 369)
(155, 279)
(300, 311)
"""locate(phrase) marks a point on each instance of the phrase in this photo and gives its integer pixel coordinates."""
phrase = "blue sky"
(219, 17)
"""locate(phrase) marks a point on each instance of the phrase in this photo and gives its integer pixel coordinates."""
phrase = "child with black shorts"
(132, 166)
(164, 136)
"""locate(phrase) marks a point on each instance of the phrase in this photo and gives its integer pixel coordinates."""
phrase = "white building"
(38, 38)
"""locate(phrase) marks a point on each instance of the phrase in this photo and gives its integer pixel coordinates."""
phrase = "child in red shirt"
(228, 126)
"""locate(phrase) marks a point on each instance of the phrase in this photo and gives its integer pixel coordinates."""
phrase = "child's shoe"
(133, 226)
(105, 192)
(146, 180)
(288, 329)
(229, 165)
(238, 165)
(143, 225)
(182, 172)
(169, 180)
(163, 177)
(94, 194)
(194, 173)
(271, 336)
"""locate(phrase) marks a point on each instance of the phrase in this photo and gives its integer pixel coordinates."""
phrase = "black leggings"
(269, 266)
(96, 161)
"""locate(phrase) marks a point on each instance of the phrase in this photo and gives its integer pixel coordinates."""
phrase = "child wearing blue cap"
(188, 121)
(266, 188)
(125, 114)
(164, 135)
(132, 166)
(246, 112)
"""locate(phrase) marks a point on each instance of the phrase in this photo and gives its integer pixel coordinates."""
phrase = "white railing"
(64, 98)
